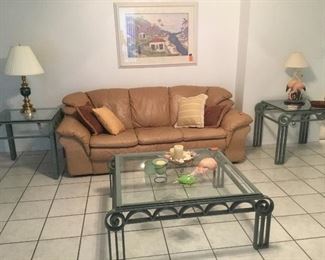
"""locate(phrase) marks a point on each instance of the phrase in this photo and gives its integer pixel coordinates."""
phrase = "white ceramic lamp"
(22, 62)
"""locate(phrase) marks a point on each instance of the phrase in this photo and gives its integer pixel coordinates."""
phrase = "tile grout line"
(36, 240)
(161, 224)
(39, 237)
(294, 240)
(253, 235)
(165, 239)
(84, 218)
(291, 196)
(299, 179)
(207, 238)
(9, 168)
(6, 222)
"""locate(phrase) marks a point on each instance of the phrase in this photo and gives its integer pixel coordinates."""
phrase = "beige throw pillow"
(109, 121)
(191, 111)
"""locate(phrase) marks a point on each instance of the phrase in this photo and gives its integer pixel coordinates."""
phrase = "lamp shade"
(22, 62)
(296, 60)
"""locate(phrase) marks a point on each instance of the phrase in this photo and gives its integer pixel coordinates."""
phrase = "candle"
(178, 151)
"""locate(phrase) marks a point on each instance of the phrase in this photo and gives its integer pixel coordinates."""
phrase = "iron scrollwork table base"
(116, 220)
(302, 115)
(119, 216)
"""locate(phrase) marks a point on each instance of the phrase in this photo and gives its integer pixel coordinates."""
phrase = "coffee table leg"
(115, 222)
(263, 211)
(218, 178)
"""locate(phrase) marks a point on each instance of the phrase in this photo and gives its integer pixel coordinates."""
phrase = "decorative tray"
(318, 104)
(187, 157)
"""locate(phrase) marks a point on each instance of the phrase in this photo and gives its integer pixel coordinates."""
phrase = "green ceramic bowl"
(160, 165)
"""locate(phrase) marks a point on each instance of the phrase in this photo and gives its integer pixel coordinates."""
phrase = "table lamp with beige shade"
(22, 62)
(295, 86)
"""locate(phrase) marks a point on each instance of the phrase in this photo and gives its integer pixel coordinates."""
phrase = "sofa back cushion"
(182, 91)
(149, 106)
(217, 95)
(117, 100)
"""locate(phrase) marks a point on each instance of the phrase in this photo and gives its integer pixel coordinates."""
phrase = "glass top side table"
(15, 116)
(286, 114)
(49, 116)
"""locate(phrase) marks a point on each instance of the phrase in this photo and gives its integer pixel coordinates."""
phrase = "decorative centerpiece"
(177, 155)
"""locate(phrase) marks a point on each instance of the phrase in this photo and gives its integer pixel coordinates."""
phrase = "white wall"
(75, 43)
(240, 43)
(277, 28)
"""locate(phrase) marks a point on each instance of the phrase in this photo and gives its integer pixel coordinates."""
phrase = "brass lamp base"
(27, 107)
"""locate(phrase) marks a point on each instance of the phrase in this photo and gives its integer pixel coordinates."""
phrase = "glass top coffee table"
(139, 196)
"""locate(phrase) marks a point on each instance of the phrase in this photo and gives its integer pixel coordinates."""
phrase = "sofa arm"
(234, 120)
(71, 127)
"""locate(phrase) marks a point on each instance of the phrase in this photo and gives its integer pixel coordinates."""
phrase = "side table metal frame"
(283, 121)
(51, 135)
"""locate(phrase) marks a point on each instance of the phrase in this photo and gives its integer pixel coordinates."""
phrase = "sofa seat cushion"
(158, 135)
(124, 139)
(194, 134)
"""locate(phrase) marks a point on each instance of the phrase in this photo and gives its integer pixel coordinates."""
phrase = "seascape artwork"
(157, 35)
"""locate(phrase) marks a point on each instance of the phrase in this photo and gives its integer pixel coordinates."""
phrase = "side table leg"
(11, 142)
(281, 141)
(303, 131)
(258, 124)
(263, 211)
(54, 151)
(114, 223)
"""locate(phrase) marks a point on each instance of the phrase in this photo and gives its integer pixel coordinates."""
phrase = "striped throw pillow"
(191, 111)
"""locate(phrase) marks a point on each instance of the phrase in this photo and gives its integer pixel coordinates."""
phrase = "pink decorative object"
(205, 165)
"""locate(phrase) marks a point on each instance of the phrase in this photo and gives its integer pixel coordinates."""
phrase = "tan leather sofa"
(149, 115)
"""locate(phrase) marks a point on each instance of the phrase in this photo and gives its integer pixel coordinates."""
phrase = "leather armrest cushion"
(71, 127)
(234, 120)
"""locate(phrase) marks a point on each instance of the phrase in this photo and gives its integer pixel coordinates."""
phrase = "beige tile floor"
(44, 218)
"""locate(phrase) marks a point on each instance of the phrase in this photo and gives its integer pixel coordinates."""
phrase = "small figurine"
(205, 165)
(187, 179)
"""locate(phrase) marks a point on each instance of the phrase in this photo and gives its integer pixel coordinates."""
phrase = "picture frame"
(156, 34)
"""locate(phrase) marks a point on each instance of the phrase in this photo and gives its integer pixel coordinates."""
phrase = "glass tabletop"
(279, 104)
(15, 116)
(139, 181)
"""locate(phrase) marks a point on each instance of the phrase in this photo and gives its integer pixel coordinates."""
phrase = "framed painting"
(156, 34)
